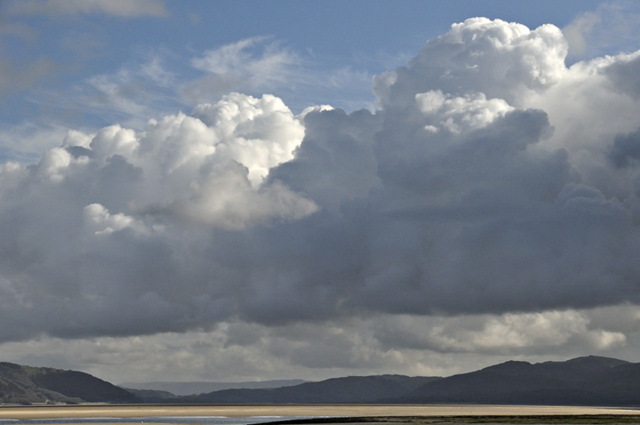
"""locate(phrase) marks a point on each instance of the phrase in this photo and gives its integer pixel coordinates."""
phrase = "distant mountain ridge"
(199, 387)
(351, 389)
(588, 380)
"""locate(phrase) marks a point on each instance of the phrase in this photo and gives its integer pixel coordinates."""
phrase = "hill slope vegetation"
(29, 385)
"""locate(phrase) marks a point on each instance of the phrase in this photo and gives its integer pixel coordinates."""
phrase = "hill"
(29, 385)
(588, 380)
(581, 381)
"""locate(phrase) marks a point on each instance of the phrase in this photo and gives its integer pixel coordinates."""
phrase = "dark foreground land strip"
(527, 419)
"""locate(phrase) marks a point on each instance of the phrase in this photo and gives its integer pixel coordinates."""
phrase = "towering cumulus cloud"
(491, 178)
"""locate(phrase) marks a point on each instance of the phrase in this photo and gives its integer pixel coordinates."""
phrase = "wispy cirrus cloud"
(261, 64)
(612, 24)
(117, 8)
(131, 95)
(249, 65)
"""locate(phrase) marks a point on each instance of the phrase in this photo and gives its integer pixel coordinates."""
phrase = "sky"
(248, 190)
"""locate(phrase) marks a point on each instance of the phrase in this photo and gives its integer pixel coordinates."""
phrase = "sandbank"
(274, 411)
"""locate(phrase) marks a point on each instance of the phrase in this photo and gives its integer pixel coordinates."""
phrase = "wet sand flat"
(133, 411)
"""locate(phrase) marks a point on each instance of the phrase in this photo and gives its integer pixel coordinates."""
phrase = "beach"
(322, 413)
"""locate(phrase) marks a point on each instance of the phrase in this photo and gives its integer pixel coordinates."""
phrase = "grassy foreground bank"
(479, 419)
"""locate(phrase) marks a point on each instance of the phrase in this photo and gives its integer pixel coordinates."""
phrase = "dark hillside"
(83, 386)
(29, 385)
(622, 385)
(597, 381)
(582, 381)
(16, 387)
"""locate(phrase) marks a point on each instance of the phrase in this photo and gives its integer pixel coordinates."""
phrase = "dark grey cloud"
(623, 74)
(626, 148)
